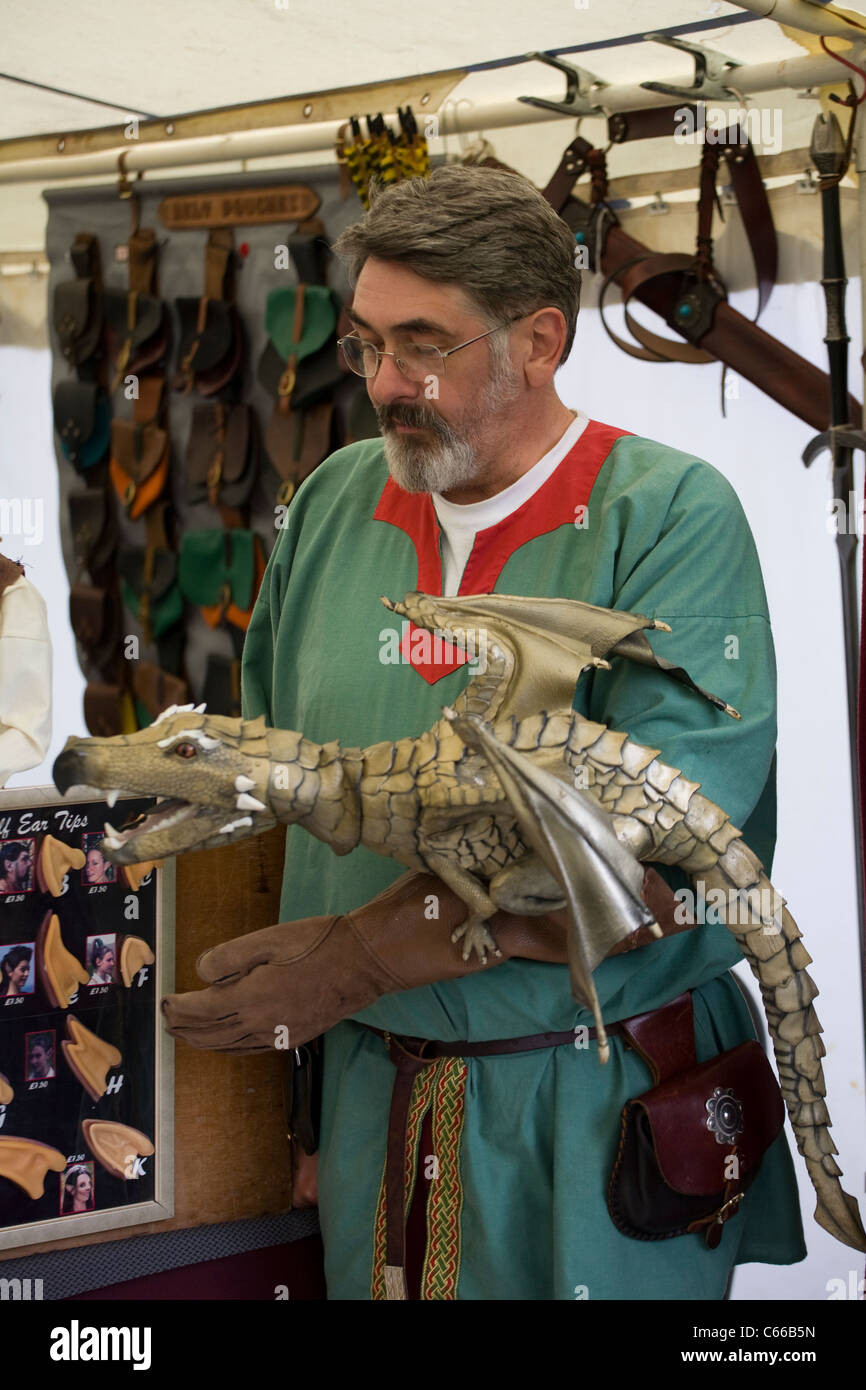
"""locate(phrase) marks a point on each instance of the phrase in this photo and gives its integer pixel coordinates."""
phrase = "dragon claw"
(475, 936)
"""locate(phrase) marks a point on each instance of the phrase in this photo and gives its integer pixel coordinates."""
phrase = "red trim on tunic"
(554, 504)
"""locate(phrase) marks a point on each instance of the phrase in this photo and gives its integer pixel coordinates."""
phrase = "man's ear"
(542, 341)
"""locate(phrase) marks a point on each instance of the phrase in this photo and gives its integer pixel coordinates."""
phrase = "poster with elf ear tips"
(86, 954)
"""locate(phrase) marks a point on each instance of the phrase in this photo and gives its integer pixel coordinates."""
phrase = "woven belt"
(410, 1056)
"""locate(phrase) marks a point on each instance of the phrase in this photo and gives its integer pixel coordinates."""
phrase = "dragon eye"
(186, 750)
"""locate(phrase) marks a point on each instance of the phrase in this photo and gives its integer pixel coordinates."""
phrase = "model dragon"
(513, 808)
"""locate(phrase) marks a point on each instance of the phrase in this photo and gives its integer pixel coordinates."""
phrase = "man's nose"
(389, 386)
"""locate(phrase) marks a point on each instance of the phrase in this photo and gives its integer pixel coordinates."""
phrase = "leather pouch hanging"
(209, 340)
(93, 521)
(150, 588)
(155, 689)
(690, 1148)
(78, 304)
(221, 571)
(138, 330)
(222, 685)
(221, 455)
(82, 418)
(108, 710)
(78, 319)
(316, 376)
(297, 443)
(211, 334)
(139, 464)
(299, 320)
(96, 621)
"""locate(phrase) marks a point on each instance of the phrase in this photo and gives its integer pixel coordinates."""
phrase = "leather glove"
(308, 975)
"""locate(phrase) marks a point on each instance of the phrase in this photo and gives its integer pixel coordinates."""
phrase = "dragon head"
(209, 773)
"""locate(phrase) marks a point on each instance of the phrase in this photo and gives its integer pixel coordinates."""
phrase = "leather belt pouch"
(82, 418)
(221, 455)
(94, 528)
(222, 685)
(221, 572)
(78, 308)
(297, 442)
(155, 690)
(317, 376)
(210, 340)
(137, 328)
(150, 588)
(107, 710)
(690, 1147)
(95, 617)
(139, 464)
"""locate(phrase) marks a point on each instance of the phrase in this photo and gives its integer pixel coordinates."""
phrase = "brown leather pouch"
(221, 455)
(94, 528)
(296, 442)
(138, 464)
(222, 685)
(690, 1148)
(156, 689)
(138, 330)
(78, 304)
(95, 617)
(104, 710)
(210, 342)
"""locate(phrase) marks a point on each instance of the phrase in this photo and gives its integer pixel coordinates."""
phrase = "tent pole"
(96, 152)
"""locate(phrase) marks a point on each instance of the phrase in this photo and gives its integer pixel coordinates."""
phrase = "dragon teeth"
(234, 825)
(244, 783)
(111, 833)
(245, 802)
(111, 798)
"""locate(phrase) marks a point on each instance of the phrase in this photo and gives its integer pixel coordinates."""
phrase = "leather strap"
(85, 256)
(410, 1056)
(219, 264)
(142, 261)
(664, 1038)
(691, 306)
(648, 124)
(568, 171)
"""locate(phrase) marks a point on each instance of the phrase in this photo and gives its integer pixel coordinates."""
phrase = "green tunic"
(626, 523)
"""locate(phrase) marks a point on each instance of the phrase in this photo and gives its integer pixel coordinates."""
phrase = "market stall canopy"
(109, 70)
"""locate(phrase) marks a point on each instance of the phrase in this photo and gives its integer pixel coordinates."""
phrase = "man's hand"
(291, 982)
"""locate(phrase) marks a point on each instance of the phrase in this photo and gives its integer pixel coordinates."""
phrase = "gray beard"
(454, 457)
(446, 463)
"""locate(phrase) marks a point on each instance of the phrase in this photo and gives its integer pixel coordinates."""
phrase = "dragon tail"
(770, 940)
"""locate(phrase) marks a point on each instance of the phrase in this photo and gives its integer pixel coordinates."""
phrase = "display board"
(86, 952)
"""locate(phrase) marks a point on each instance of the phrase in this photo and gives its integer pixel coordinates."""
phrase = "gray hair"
(489, 232)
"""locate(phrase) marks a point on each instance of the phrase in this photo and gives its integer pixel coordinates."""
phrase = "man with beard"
(465, 301)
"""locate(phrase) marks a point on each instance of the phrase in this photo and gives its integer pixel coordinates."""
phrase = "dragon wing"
(574, 838)
(530, 652)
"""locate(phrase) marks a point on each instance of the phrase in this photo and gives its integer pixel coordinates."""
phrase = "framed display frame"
(86, 953)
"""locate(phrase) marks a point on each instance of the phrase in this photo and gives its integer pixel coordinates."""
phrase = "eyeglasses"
(416, 361)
